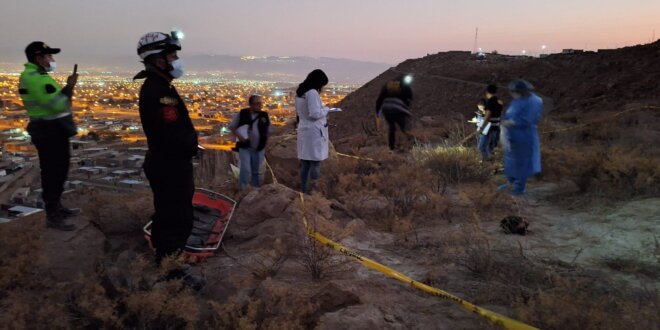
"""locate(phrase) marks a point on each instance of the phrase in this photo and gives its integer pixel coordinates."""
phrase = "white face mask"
(177, 68)
(51, 66)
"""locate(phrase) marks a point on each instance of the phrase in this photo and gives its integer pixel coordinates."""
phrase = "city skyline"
(369, 30)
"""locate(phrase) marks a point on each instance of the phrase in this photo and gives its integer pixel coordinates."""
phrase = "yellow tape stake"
(494, 318)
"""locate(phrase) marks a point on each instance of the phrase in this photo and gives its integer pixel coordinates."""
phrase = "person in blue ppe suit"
(520, 138)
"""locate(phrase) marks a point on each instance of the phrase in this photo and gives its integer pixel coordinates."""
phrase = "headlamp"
(407, 79)
(177, 34)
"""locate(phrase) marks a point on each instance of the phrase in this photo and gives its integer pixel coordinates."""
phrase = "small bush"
(582, 303)
(615, 171)
(450, 164)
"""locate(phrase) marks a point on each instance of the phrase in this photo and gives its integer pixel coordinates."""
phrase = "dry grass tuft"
(451, 164)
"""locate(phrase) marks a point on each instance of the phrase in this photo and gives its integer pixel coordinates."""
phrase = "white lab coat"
(312, 127)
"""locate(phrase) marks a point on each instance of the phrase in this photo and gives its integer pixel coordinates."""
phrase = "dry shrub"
(406, 188)
(317, 259)
(450, 164)
(19, 247)
(267, 264)
(634, 169)
(584, 303)
(166, 307)
(91, 305)
(382, 190)
(488, 202)
(616, 171)
(477, 254)
(282, 310)
(34, 310)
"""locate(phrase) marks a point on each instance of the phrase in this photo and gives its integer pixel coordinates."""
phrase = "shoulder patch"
(169, 114)
(168, 100)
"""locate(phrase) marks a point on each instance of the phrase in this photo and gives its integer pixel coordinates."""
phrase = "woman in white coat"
(312, 127)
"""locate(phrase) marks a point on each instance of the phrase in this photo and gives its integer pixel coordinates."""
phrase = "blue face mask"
(177, 68)
(51, 66)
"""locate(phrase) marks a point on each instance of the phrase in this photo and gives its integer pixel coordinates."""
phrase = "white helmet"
(157, 42)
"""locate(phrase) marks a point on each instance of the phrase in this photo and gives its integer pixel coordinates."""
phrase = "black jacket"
(165, 120)
(263, 123)
(394, 88)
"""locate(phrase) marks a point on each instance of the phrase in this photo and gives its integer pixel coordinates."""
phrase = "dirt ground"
(591, 259)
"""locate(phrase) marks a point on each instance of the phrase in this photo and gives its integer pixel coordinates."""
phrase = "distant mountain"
(280, 69)
(292, 69)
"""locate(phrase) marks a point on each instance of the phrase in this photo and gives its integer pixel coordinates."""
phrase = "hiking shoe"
(517, 192)
(66, 212)
(58, 222)
(506, 186)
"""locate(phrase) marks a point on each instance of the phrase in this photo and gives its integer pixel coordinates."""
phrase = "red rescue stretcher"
(212, 211)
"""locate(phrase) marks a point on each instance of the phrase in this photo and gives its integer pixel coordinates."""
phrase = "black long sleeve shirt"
(165, 120)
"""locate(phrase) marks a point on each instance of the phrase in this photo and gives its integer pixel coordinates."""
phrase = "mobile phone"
(75, 68)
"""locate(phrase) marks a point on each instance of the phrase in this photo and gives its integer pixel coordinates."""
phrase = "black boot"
(57, 221)
(66, 212)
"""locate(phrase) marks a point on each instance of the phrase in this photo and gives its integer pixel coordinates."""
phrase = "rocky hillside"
(448, 85)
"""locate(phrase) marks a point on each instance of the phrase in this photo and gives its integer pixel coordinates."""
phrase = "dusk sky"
(373, 30)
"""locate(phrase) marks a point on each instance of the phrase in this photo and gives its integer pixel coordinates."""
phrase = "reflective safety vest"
(42, 96)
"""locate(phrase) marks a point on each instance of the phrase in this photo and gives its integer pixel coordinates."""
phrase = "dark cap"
(39, 48)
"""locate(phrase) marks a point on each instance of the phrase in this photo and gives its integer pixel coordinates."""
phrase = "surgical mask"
(51, 66)
(177, 68)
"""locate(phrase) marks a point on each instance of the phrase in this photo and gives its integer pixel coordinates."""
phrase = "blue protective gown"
(522, 158)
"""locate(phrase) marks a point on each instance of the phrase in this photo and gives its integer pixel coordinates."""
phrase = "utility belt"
(46, 125)
(494, 121)
(51, 117)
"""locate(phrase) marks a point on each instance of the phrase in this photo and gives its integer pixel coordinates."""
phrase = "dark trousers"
(395, 118)
(52, 145)
(173, 187)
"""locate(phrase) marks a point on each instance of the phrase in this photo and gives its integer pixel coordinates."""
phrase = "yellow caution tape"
(272, 174)
(354, 157)
(494, 318)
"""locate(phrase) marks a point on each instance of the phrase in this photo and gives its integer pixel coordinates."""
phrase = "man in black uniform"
(394, 104)
(172, 143)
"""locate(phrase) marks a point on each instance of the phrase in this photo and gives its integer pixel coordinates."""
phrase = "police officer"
(51, 125)
(172, 142)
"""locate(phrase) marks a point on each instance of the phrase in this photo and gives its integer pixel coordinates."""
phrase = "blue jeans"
(251, 160)
(488, 142)
(309, 169)
(484, 146)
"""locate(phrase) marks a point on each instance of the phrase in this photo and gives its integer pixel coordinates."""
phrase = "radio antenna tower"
(476, 38)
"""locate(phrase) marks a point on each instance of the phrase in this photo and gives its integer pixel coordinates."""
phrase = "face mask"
(177, 68)
(51, 66)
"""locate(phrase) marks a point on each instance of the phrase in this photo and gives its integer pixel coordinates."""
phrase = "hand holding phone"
(73, 78)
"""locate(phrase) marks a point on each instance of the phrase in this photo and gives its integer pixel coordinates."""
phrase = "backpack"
(514, 225)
